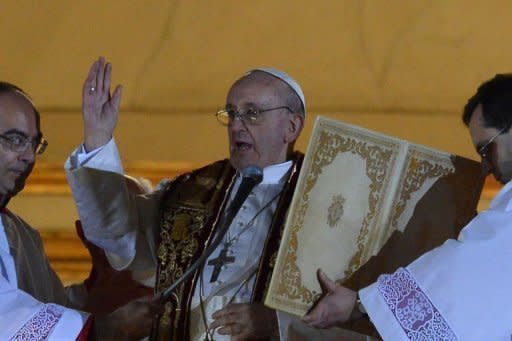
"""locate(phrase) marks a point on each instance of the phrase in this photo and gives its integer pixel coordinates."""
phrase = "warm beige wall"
(401, 67)
(398, 66)
(418, 56)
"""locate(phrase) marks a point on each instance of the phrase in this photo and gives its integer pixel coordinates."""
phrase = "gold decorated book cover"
(366, 203)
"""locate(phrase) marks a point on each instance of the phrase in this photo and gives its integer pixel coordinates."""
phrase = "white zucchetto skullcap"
(285, 78)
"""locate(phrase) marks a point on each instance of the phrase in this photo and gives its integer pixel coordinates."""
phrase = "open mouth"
(242, 146)
(17, 172)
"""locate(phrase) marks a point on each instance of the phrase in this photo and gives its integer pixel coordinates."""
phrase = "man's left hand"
(246, 321)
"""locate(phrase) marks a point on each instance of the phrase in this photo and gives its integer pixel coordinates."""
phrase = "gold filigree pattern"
(378, 158)
(418, 171)
(179, 232)
(335, 210)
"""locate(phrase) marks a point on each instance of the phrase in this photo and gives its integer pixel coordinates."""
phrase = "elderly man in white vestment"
(33, 301)
(170, 228)
(462, 289)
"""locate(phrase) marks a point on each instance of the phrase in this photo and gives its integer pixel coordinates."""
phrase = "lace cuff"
(412, 308)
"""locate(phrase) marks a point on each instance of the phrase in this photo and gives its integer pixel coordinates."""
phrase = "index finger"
(221, 312)
(106, 82)
(224, 320)
(231, 308)
(101, 73)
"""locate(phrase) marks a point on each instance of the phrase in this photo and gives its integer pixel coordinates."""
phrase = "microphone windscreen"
(253, 172)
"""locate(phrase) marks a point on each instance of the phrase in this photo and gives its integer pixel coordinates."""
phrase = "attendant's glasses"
(484, 150)
(20, 144)
(248, 116)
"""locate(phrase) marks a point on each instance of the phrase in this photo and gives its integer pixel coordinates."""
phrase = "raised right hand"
(100, 109)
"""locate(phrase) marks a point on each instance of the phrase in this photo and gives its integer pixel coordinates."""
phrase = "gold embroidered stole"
(191, 209)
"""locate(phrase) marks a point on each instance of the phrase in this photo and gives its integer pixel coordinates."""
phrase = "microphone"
(251, 177)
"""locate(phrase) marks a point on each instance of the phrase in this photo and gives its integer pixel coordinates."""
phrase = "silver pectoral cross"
(219, 262)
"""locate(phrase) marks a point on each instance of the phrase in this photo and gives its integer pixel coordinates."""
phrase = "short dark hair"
(495, 96)
(6, 87)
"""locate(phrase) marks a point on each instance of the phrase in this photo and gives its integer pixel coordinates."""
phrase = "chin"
(18, 187)
(240, 164)
(6, 194)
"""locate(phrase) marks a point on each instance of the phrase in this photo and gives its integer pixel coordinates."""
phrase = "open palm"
(100, 108)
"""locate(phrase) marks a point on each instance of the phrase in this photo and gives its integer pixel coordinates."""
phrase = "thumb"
(326, 283)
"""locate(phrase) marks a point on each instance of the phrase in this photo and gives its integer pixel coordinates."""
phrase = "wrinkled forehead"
(256, 88)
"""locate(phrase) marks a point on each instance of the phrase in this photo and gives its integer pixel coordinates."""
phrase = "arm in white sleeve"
(23, 317)
(108, 211)
(104, 158)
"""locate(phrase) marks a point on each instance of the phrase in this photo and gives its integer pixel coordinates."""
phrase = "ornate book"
(366, 204)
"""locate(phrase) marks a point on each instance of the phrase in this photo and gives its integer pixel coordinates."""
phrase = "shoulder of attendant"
(9, 217)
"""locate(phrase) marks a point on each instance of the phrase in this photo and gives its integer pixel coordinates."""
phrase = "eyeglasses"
(484, 150)
(249, 116)
(20, 144)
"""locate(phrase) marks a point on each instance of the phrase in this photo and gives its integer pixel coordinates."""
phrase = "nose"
(237, 124)
(28, 155)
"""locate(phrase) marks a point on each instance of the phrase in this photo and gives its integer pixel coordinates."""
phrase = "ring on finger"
(92, 89)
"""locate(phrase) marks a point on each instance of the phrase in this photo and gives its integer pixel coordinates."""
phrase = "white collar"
(274, 174)
(503, 200)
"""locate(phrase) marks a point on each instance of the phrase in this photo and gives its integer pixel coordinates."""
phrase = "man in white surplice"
(462, 289)
(33, 302)
(264, 115)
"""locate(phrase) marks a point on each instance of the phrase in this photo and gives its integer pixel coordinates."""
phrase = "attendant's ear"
(295, 124)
